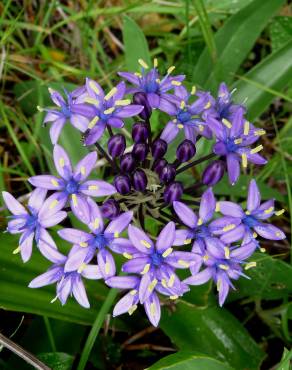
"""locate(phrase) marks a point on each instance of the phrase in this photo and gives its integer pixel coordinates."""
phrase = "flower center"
(72, 186)
(31, 221)
(230, 145)
(183, 116)
(66, 110)
(156, 258)
(100, 241)
(250, 221)
(150, 86)
(201, 232)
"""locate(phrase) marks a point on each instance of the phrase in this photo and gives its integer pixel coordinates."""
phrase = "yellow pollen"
(256, 149)
(206, 257)
(238, 141)
(51, 91)
(152, 309)
(62, 162)
(201, 128)
(219, 283)
(193, 91)
(123, 102)
(183, 263)
(173, 297)
(224, 267)
(17, 250)
(259, 132)
(54, 182)
(187, 241)
(145, 243)
(83, 170)
(217, 209)
(53, 204)
(96, 223)
(155, 62)
(133, 292)
(93, 86)
(74, 200)
(92, 101)
(246, 128)
(175, 83)
(170, 70)
(269, 210)
(182, 104)
(132, 309)
(180, 126)
(137, 74)
(226, 123)
(174, 120)
(107, 267)
(227, 252)
(39, 108)
(83, 244)
(93, 122)
(116, 234)
(163, 282)
(152, 285)
(244, 160)
(54, 299)
(208, 105)
(254, 235)
(171, 281)
(229, 227)
(262, 250)
(278, 234)
(143, 63)
(92, 187)
(280, 212)
(167, 252)
(145, 269)
(81, 267)
(200, 222)
(109, 111)
(247, 212)
(250, 265)
(110, 93)
(157, 80)
(127, 255)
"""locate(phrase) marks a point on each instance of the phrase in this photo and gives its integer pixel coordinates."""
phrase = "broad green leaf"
(212, 331)
(233, 42)
(189, 361)
(135, 44)
(57, 360)
(274, 72)
(281, 31)
(285, 363)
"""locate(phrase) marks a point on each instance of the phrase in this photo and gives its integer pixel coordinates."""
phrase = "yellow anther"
(256, 149)
(224, 267)
(226, 123)
(143, 63)
(92, 101)
(17, 250)
(247, 212)
(123, 102)
(145, 243)
(278, 234)
(259, 132)
(171, 281)
(219, 284)
(109, 111)
(269, 210)
(53, 204)
(116, 234)
(94, 87)
(83, 170)
(182, 104)
(51, 91)
(74, 200)
(107, 268)
(157, 80)
(83, 244)
(40, 109)
(174, 120)
(111, 93)
(137, 74)
(93, 122)
(54, 299)
(208, 105)
(254, 235)
(173, 297)
(244, 160)
(54, 182)
(152, 309)
(238, 141)
(167, 252)
(62, 162)
(81, 267)
(250, 265)
(133, 291)
(227, 252)
(175, 83)
(187, 241)
(132, 309)
(155, 62)
(229, 227)
(200, 222)
(127, 255)
(92, 187)
(96, 223)
(262, 250)
(145, 269)
(170, 70)
(280, 212)
(180, 126)
(152, 285)
(193, 91)
(205, 258)
(246, 128)
(217, 209)
(201, 128)
(163, 282)
(183, 263)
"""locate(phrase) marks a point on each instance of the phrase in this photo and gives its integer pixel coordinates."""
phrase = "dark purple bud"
(139, 180)
(140, 151)
(140, 132)
(173, 192)
(159, 148)
(127, 163)
(116, 145)
(159, 165)
(185, 151)
(213, 173)
(122, 184)
(110, 209)
(140, 98)
(167, 173)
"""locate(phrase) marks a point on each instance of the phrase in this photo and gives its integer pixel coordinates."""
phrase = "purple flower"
(73, 110)
(109, 109)
(238, 224)
(153, 85)
(32, 222)
(68, 283)
(73, 185)
(101, 238)
(233, 140)
(187, 116)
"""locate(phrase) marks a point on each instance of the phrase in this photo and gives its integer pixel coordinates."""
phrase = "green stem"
(50, 333)
(96, 327)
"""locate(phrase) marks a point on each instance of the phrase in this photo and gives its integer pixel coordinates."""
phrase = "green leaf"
(274, 72)
(189, 361)
(57, 360)
(136, 46)
(233, 43)
(281, 31)
(214, 332)
(285, 360)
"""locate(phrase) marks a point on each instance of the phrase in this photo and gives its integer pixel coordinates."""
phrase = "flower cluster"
(214, 241)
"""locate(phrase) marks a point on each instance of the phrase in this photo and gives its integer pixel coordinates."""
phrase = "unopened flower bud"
(213, 173)
(139, 180)
(116, 145)
(140, 151)
(159, 165)
(122, 184)
(140, 132)
(173, 192)
(110, 209)
(159, 148)
(185, 151)
(127, 163)
(140, 98)
(167, 173)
